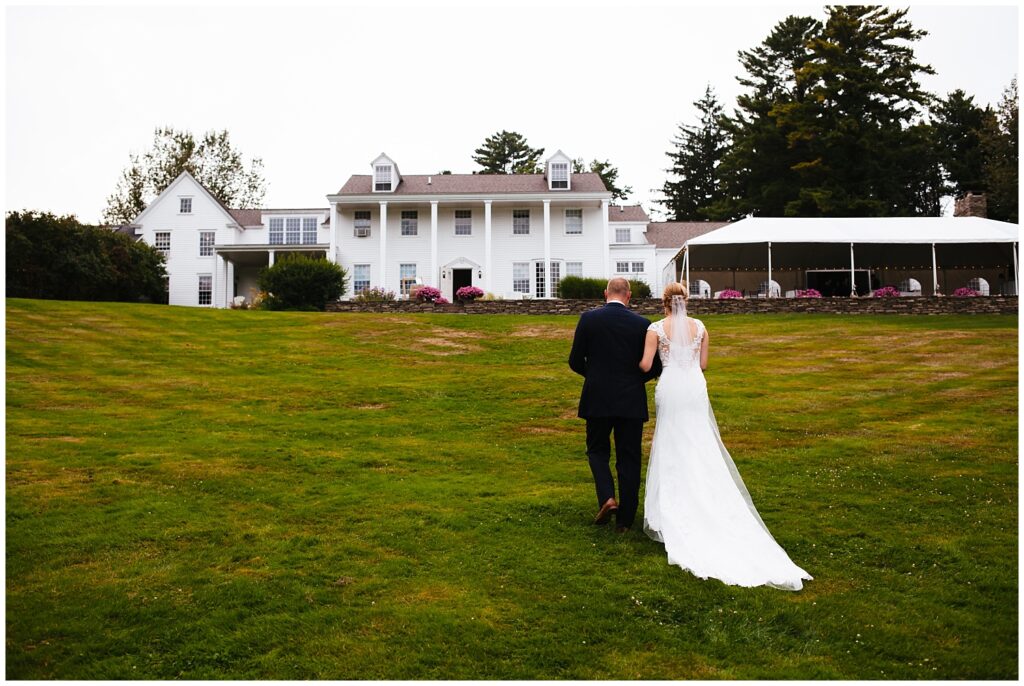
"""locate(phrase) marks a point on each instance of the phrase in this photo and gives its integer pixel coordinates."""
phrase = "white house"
(514, 236)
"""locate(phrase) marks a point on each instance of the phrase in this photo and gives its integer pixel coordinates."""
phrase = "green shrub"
(299, 282)
(579, 287)
(59, 258)
(374, 295)
(639, 289)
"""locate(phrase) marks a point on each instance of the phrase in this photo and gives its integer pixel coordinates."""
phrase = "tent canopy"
(846, 230)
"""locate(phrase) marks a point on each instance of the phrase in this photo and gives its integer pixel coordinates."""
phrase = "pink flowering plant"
(468, 293)
(428, 294)
(809, 293)
(965, 293)
(887, 292)
(729, 293)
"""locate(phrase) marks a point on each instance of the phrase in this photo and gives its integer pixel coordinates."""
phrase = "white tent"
(885, 240)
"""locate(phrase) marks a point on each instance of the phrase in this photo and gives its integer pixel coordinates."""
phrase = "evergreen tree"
(697, 151)
(999, 140)
(757, 169)
(507, 152)
(958, 125)
(212, 160)
(608, 173)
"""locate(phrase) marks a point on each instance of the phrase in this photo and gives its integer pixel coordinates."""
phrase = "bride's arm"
(650, 350)
(704, 352)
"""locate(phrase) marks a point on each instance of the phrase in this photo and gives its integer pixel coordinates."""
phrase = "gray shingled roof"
(674, 234)
(247, 217)
(627, 213)
(361, 184)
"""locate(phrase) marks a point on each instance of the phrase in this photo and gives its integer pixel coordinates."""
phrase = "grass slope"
(206, 494)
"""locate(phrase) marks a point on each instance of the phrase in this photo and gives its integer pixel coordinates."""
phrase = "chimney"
(428, 180)
(971, 205)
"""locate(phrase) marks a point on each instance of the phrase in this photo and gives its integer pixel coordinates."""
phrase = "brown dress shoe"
(609, 508)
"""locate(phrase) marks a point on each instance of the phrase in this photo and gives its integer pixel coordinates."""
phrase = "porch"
(238, 267)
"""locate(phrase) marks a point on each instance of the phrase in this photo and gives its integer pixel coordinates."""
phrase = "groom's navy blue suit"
(606, 351)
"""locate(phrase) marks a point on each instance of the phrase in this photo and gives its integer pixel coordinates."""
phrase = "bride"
(695, 501)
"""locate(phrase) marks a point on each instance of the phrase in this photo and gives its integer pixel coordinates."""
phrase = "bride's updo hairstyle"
(674, 288)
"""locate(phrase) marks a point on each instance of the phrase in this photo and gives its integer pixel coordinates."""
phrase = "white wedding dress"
(696, 503)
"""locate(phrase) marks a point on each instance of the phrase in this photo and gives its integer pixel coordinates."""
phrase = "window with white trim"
(622, 267)
(406, 277)
(520, 222)
(573, 222)
(410, 222)
(362, 224)
(463, 222)
(276, 231)
(309, 230)
(206, 239)
(520, 277)
(638, 267)
(623, 236)
(292, 230)
(382, 177)
(205, 289)
(162, 242)
(360, 278)
(539, 290)
(556, 277)
(574, 269)
(185, 205)
(559, 175)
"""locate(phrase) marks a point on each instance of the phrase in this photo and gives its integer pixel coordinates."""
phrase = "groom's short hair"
(618, 286)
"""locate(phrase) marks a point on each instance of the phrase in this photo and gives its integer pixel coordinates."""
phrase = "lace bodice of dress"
(664, 344)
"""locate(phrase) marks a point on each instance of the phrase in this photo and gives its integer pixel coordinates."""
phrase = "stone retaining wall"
(919, 305)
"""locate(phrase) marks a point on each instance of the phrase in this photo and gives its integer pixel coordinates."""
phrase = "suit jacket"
(606, 352)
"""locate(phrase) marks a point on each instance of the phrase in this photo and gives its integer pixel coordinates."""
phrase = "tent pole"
(686, 262)
(1016, 274)
(853, 276)
(935, 273)
(768, 292)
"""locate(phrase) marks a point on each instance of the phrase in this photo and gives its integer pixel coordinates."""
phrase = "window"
(520, 222)
(521, 277)
(407, 277)
(638, 267)
(291, 230)
(185, 205)
(277, 230)
(360, 278)
(362, 223)
(574, 222)
(205, 289)
(556, 277)
(574, 269)
(309, 230)
(206, 243)
(559, 175)
(539, 284)
(463, 222)
(623, 236)
(162, 242)
(382, 177)
(410, 222)
(622, 267)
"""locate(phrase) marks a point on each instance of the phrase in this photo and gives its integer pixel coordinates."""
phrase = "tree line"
(834, 123)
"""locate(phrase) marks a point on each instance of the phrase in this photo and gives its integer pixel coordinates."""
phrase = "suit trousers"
(628, 439)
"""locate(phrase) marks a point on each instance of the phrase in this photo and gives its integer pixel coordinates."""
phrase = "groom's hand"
(655, 370)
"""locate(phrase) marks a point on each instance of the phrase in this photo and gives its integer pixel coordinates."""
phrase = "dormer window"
(185, 205)
(559, 175)
(382, 177)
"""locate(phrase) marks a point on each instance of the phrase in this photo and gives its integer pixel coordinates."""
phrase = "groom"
(606, 352)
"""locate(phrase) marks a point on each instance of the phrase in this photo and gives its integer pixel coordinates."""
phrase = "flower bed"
(809, 293)
(468, 293)
(887, 292)
(729, 293)
(965, 293)
(428, 294)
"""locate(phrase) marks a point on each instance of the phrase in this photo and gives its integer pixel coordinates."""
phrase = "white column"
(332, 256)
(686, 267)
(382, 269)
(435, 279)
(935, 273)
(230, 271)
(215, 297)
(607, 240)
(270, 258)
(488, 265)
(1016, 272)
(548, 291)
(853, 276)
(768, 293)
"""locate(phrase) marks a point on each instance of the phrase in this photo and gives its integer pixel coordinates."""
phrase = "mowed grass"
(210, 494)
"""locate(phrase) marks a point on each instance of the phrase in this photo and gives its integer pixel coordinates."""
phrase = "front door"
(460, 278)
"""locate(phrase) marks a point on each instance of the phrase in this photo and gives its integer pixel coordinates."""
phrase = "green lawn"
(208, 494)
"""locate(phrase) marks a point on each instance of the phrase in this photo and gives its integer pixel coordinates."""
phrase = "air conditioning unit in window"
(362, 232)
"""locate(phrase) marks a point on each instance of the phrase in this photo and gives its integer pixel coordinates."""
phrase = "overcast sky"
(318, 92)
